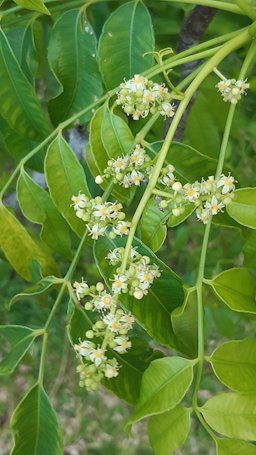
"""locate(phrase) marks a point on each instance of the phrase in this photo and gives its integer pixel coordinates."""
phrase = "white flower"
(97, 356)
(113, 256)
(227, 183)
(122, 344)
(120, 163)
(159, 91)
(148, 96)
(79, 202)
(112, 323)
(115, 208)
(136, 177)
(102, 211)
(137, 156)
(146, 277)
(137, 114)
(167, 110)
(80, 289)
(104, 301)
(191, 192)
(214, 206)
(203, 215)
(243, 85)
(119, 284)
(168, 179)
(122, 228)
(126, 182)
(84, 348)
(111, 369)
(96, 231)
(224, 86)
(127, 321)
(136, 83)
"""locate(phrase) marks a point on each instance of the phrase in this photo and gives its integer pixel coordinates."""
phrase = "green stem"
(205, 425)
(224, 6)
(246, 8)
(42, 359)
(200, 279)
(200, 310)
(226, 49)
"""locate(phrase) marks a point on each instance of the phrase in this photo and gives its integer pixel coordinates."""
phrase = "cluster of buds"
(139, 96)
(232, 90)
(138, 277)
(209, 196)
(98, 215)
(128, 170)
(112, 326)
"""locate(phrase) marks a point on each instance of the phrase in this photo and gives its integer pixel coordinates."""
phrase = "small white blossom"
(96, 231)
(123, 344)
(122, 228)
(214, 206)
(111, 370)
(80, 289)
(84, 348)
(119, 284)
(97, 356)
(79, 202)
(167, 110)
(136, 177)
(227, 183)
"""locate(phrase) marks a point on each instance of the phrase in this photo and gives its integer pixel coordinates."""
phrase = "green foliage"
(37, 207)
(243, 207)
(72, 55)
(234, 446)
(20, 339)
(232, 415)
(65, 178)
(35, 425)
(35, 5)
(168, 431)
(21, 249)
(164, 384)
(130, 25)
(236, 288)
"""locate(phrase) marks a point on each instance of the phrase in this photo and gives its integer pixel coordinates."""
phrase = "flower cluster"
(232, 90)
(98, 215)
(137, 278)
(209, 196)
(112, 326)
(128, 170)
(139, 96)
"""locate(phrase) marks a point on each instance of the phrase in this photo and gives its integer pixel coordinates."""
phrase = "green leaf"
(249, 250)
(20, 249)
(152, 229)
(127, 384)
(166, 293)
(184, 322)
(35, 426)
(189, 163)
(72, 55)
(20, 339)
(19, 104)
(232, 415)
(130, 25)
(237, 289)
(243, 207)
(38, 288)
(110, 137)
(234, 363)
(234, 447)
(37, 206)
(65, 178)
(168, 431)
(34, 5)
(163, 386)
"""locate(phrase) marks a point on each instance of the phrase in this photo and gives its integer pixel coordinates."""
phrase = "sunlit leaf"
(232, 415)
(130, 25)
(38, 288)
(20, 339)
(35, 5)
(65, 178)
(35, 426)
(72, 55)
(243, 207)
(37, 207)
(234, 447)
(20, 249)
(237, 289)
(18, 102)
(234, 363)
(163, 386)
(168, 431)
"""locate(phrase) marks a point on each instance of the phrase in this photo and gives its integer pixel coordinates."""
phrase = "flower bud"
(138, 294)
(89, 334)
(177, 186)
(98, 179)
(99, 287)
(176, 212)
(88, 306)
(163, 204)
